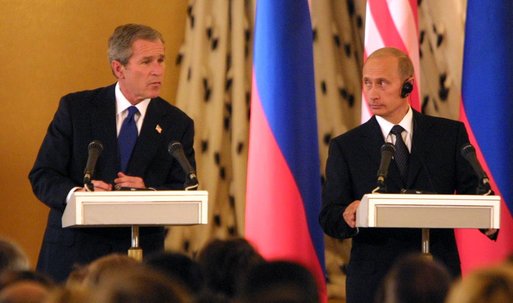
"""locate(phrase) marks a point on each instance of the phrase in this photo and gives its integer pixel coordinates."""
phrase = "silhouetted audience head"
(92, 274)
(490, 285)
(139, 285)
(24, 292)
(12, 257)
(179, 267)
(225, 263)
(69, 294)
(11, 277)
(279, 282)
(24, 286)
(415, 278)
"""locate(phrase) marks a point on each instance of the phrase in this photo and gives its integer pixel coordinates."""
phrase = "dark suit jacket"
(435, 166)
(81, 118)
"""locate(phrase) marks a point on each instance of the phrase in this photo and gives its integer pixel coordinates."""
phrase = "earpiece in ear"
(406, 89)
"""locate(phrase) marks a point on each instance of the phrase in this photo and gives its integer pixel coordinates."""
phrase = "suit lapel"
(103, 126)
(149, 140)
(417, 158)
(373, 140)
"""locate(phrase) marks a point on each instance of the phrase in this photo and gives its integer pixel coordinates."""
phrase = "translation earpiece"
(406, 89)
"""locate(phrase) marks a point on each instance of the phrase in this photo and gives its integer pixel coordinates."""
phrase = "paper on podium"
(428, 211)
(143, 208)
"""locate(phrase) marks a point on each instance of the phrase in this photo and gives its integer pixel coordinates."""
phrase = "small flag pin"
(158, 129)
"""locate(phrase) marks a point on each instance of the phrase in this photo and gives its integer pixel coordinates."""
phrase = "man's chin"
(377, 111)
(154, 93)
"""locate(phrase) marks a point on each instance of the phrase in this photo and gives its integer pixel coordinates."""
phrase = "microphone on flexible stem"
(483, 188)
(176, 150)
(95, 148)
(387, 153)
(469, 153)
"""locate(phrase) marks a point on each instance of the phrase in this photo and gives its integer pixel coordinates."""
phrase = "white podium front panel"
(428, 211)
(143, 208)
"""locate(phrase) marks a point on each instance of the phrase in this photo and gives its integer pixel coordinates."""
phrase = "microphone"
(95, 148)
(387, 153)
(469, 153)
(175, 149)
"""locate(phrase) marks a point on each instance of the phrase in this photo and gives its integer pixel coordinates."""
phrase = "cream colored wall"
(47, 49)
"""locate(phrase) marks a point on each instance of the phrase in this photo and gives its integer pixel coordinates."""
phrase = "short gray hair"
(120, 43)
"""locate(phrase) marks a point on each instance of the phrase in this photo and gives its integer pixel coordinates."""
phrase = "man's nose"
(371, 93)
(157, 68)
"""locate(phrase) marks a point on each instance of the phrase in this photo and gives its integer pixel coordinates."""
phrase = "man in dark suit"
(136, 54)
(433, 164)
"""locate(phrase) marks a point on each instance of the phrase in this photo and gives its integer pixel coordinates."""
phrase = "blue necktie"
(401, 151)
(127, 137)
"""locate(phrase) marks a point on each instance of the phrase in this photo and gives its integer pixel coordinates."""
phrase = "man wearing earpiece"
(431, 162)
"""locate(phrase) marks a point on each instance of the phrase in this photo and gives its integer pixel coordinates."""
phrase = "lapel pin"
(158, 129)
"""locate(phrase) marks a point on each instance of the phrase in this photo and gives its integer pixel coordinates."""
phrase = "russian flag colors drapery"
(487, 99)
(283, 184)
(393, 23)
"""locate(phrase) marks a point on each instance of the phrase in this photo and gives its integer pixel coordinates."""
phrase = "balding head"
(405, 66)
(24, 292)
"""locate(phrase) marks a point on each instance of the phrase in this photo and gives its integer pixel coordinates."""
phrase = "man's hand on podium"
(349, 214)
(99, 186)
(126, 181)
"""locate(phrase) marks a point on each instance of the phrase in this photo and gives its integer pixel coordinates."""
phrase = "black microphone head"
(95, 145)
(388, 147)
(467, 149)
(95, 148)
(173, 147)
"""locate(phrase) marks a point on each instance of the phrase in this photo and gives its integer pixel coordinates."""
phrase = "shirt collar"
(122, 103)
(406, 123)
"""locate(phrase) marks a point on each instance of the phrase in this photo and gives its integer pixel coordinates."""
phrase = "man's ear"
(118, 69)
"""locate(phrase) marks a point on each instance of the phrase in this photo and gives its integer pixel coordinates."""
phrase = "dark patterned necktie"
(127, 137)
(401, 151)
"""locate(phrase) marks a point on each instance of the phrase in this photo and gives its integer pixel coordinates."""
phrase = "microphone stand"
(381, 187)
(191, 182)
(484, 187)
(135, 251)
(88, 185)
(424, 231)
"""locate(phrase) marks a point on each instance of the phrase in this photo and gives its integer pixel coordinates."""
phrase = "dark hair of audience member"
(139, 284)
(490, 285)
(225, 263)
(12, 257)
(279, 281)
(415, 278)
(179, 267)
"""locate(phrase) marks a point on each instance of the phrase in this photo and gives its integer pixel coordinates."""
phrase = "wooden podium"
(134, 209)
(428, 211)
